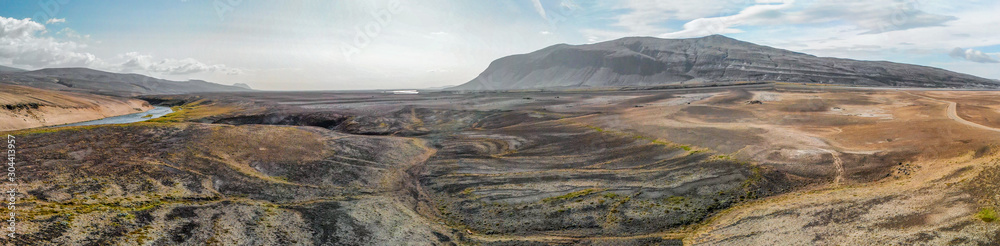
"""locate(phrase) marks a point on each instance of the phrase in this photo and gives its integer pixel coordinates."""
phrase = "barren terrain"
(758, 164)
(25, 107)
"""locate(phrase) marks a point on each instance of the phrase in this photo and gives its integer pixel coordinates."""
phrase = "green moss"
(570, 195)
(987, 215)
(676, 199)
(610, 195)
(467, 191)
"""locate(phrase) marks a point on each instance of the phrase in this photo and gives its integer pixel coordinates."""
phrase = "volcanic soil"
(756, 164)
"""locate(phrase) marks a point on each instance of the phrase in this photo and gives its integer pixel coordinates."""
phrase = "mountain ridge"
(109, 83)
(649, 61)
(5, 69)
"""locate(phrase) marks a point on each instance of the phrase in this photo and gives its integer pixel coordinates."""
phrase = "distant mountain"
(100, 82)
(647, 61)
(242, 85)
(10, 69)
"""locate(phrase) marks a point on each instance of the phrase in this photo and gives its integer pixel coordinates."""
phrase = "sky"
(394, 44)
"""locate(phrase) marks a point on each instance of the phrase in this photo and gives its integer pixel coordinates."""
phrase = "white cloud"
(757, 14)
(973, 28)
(70, 33)
(867, 16)
(23, 43)
(873, 16)
(972, 55)
(134, 61)
(54, 21)
(17, 29)
(647, 17)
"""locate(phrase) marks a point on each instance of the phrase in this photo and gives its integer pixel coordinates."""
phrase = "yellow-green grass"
(193, 111)
(571, 195)
(987, 215)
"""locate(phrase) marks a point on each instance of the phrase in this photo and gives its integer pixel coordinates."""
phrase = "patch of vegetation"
(56, 129)
(676, 199)
(984, 186)
(983, 151)
(571, 195)
(21, 106)
(751, 184)
(987, 215)
(610, 195)
(613, 210)
(193, 111)
(598, 129)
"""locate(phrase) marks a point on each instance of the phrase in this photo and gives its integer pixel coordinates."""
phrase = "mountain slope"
(10, 69)
(94, 81)
(646, 61)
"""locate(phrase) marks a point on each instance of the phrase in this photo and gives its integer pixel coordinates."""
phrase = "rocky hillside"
(100, 82)
(10, 69)
(647, 61)
(25, 107)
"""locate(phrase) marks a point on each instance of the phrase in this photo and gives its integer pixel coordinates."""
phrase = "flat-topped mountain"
(647, 61)
(95, 81)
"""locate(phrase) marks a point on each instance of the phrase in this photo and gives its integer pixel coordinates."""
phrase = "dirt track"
(953, 114)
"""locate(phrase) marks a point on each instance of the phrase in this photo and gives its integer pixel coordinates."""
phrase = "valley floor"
(771, 164)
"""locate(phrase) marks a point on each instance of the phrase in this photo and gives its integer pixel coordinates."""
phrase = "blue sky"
(330, 45)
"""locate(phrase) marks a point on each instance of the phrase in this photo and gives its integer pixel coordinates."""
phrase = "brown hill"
(25, 107)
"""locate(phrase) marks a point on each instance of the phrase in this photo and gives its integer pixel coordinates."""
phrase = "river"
(154, 113)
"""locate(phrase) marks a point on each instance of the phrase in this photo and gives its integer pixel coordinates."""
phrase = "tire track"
(953, 113)
(839, 164)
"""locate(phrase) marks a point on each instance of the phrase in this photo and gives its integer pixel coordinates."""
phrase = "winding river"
(154, 113)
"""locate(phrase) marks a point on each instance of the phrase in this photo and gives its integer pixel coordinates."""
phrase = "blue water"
(156, 112)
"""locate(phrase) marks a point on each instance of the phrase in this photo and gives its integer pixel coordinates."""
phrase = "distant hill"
(242, 85)
(647, 61)
(10, 69)
(100, 82)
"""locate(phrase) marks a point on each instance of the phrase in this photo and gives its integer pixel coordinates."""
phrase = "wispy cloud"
(70, 33)
(134, 61)
(753, 15)
(537, 4)
(651, 17)
(869, 17)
